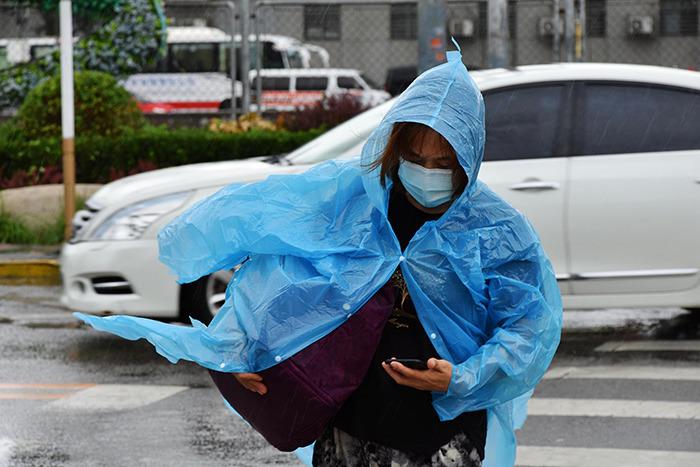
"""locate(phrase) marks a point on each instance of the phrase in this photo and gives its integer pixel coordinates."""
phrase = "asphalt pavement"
(624, 390)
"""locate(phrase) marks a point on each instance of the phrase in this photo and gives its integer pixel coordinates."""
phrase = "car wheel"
(203, 298)
(226, 104)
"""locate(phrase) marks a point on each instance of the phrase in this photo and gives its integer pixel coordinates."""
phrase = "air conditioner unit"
(547, 26)
(640, 25)
(462, 27)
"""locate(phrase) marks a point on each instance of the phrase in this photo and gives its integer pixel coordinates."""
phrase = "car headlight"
(131, 222)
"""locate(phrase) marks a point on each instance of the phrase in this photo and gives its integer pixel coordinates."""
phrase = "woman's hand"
(251, 381)
(435, 378)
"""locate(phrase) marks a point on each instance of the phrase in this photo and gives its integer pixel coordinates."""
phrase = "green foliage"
(132, 39)
(97, 157)
(102, 107)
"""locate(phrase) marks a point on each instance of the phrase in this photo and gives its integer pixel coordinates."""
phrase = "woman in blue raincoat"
(316, 246)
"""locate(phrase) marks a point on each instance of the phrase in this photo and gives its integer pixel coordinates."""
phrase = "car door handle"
(535, 185)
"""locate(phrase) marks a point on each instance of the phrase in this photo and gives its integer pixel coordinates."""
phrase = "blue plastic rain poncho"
(319, 246)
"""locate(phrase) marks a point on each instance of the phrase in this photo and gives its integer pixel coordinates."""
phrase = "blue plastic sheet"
(318, 245)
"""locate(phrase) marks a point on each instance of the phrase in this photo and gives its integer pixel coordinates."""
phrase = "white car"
(604, 159)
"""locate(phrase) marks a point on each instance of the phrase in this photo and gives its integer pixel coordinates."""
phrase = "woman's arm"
(525, 309)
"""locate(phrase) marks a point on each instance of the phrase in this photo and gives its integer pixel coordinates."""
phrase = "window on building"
(678, 17)
(404, 21)
(483, 25)
(595, 18)
(322, 22)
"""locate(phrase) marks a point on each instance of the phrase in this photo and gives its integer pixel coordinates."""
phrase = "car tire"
(226, 104)
(203, 298)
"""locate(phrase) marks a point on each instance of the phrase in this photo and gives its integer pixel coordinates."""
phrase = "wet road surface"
(624, 390)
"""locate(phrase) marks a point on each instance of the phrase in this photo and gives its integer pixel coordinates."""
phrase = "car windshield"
(343, 141)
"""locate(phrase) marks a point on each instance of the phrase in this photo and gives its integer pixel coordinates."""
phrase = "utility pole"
(497, 38)
(432, 36)
(245, 55)
(67, 115)
(569, 30)
(556, 35)
(581, 31)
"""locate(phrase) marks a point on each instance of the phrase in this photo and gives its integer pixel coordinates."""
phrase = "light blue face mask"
(430, 187)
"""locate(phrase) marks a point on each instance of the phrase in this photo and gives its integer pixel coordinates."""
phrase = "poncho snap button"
(278, 358)
(402, 258)
(433, 336)
(346, 306)
(222, 364)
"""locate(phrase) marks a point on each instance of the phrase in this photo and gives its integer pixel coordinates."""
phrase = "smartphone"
(413, 363)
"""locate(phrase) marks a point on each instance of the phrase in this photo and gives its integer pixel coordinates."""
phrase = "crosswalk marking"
(6, 446)
(39, 391)
(45, 385)
(116, 397)
(614, 408)
(650, 346)
(546, 456)
(33, 395)
(663, 373)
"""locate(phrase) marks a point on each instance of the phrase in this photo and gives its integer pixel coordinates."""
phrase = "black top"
(388, 413)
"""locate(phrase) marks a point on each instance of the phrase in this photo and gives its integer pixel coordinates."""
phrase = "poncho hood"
(447, 99)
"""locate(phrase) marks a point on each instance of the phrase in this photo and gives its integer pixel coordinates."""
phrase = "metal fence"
(378, 39)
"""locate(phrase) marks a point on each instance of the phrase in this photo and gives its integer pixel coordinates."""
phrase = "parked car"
(604, 159)
(288, 89)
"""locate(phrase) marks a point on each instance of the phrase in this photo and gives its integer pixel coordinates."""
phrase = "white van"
(289, 89)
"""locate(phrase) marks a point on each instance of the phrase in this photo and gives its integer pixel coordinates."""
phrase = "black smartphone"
(413, 363)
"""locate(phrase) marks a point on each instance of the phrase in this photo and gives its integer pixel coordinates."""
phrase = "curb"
(30, 272)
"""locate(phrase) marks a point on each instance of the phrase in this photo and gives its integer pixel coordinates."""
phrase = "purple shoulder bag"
(305, 391)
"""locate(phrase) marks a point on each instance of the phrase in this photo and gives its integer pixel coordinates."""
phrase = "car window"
(348, 82)
(619, 118)
(525, 122)
(276, 83)
(193, 58)
(344, 140)
(312, 83)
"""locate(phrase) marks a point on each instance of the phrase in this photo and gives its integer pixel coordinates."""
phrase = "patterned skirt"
(335, 448)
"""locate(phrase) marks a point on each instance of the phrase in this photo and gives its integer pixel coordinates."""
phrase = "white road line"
(544, 456)
(6, 447)
(562, 407)
(108, 397)
(664, 373)
(650, 346)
